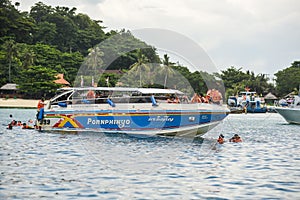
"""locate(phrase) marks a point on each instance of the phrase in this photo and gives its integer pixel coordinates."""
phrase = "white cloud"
(260, 35)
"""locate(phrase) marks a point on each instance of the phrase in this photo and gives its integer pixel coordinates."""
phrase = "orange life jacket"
(40, 105)
(236, 140)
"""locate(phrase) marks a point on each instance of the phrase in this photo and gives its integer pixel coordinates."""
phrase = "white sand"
(18, 103)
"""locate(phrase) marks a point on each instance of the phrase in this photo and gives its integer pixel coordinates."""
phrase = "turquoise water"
(36, 165)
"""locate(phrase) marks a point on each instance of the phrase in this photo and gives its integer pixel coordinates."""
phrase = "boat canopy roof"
(125, 89)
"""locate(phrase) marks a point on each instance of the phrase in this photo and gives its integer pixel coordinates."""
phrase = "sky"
(257, 35)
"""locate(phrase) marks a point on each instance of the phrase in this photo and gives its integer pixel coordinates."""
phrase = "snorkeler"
(235, 138)
(221, 139)
(26, 126)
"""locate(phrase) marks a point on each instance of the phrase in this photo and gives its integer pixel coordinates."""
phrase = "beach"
(18, 103)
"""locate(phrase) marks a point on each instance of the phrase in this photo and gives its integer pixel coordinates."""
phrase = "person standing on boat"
(40, 105)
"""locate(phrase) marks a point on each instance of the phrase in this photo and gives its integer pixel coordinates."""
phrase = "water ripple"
(266, 165)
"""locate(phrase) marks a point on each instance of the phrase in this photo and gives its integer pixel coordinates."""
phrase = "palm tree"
(140, 64)
(166, 68)
(11, 53)
(94, 58)
(28, 58)
(94, 63)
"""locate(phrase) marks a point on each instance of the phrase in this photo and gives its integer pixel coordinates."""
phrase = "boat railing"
(103, 100)
(115, 99)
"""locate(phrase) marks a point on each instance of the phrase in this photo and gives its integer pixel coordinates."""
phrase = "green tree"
(37, 81)
(91, 67)
(11, 53)
(235, 81)
(121, 51)
(27, 58)
(39, 11)
(166, 68)
(14, 24)
(71, 63)
(140, 66)
(45, 33)
(232, 77)
(94, 59)
(288, 79)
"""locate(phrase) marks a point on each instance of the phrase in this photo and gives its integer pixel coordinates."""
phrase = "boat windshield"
(62, 96)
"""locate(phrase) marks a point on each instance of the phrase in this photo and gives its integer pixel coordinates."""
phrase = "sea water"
(87, 165)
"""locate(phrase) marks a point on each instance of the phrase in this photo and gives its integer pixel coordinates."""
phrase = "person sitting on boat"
(216, 96)
(176, 100)
(235, 138)
(196, 98)
(202, 98)
(90, 94)
(170, 100)
(208, 96)
(173, 99)
(184, 99)
(221, 139)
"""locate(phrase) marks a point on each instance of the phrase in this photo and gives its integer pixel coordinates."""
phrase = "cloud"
(260, 35)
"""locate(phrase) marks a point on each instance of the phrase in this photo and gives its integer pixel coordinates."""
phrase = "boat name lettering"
(120, 122)
(204, 117)
(161, 119)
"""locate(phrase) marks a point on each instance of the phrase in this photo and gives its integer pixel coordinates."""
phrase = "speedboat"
(143, 111)
(291, 113)
(248, 101)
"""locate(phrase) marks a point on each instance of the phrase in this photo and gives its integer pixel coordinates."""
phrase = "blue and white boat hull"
(165, 119)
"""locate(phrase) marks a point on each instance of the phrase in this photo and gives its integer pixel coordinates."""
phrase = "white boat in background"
(291, 113)
(247, 101)
(143, 111)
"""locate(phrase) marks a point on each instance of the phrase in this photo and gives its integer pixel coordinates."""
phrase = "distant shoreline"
(18, 103)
